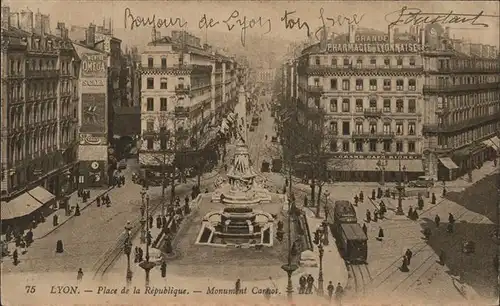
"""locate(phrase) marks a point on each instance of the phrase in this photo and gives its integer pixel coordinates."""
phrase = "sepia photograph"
(250, 152)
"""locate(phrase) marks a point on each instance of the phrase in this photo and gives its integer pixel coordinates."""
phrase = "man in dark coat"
(163, 269)
(55, 220)
(59, 246)
(29, 237)
(237, 286)
(310, 283)
(433, 198)
(302, 284)
(380, 234)
(368, 216)
(339, 292)
(79, 275)
(158, 221)
(98, 201)
(77, 210)
(330, 289)
(437, 220)
(404, 265)
(373, 194)
(150, 221)
(361, 196)
(410, 213)
(15, 257)
(408, 255)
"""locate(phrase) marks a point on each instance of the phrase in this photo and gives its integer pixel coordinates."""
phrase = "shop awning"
(20, 206)
(496, 141)
(408, 165)
(448, 163)
(41, 194)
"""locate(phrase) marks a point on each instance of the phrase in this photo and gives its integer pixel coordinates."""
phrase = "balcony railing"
(322, 69)
(457, 126)
(42, 73)
(315, 88)
(368, 135)
(458, 69)
(460, 87)
(181, 111)
(188, 67)
(373, 112)
(182, 89)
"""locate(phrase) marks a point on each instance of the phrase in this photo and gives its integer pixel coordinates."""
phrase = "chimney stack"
(391, 34)
(26, 20)
(6, 16)
(38, 24)
(61, 27)
(90, 37)
(352, 34)
(14, 20)
(46, 24)
(324, 37)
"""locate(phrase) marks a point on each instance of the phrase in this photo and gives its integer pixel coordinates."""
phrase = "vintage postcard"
(250, 152)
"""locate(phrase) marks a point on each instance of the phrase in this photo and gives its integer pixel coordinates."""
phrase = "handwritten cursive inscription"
(245, 24)
(415, 16)
(207, 23)
(151, 21)
(290, 23)
(336, 20)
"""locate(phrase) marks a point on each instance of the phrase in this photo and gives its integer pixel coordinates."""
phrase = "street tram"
(353, 243)
(339, 213)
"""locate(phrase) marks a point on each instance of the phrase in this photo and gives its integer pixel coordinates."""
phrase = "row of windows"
(466, 137)
(373, 128)
(372, 84)
(39, 65)
(347, 61)
(372, 146)
(41, 112)
(461, 63)
(150, 104)
(460, 116)
(37, 90)
(36, 142)
(372, 105)
(468, 100)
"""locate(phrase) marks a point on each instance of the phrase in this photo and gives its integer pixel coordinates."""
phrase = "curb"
(72, 216)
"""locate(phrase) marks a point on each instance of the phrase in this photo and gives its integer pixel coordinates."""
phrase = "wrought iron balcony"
(42, 73)
(182, 89)
(315, 88)
(181, 111)
(444, 88)
(373, 112)
(374, 135)
(430, 128)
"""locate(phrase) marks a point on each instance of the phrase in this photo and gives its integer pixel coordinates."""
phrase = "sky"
(370, 14)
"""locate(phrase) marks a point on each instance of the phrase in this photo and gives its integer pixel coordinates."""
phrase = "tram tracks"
(360, 277)
(386, 276)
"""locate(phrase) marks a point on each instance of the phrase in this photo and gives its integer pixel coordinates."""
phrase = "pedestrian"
(368, 216)
(380, 234)
(98, 201)
(123, 179)
(206, 190)
(415, 215)
(15, 257)
(150, 220)
(141, 253)
(310, 284)
(495, 162)
(375, 215)
(437, 220)
(433, 198)
(365, 229)
(29, 237)
(142, 210)
(55, 220)
(237, 286)
(356, 199)
(79, 275)
(163, 269)
(305, 201)
(330, 289)
(379, 193)
(420, 202)
(442, 257)
(339, 292)
(373, 194)
(186, 200)
(409, 254)
(451, 218)
(361, 196)
(77, 210)
(404, 265)
(158, 221)
(302, 284)
(59, 246)
(444, 191)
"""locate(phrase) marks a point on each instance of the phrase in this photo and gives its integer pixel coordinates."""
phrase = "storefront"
(447, 169)
(469, 158)
(493, 145)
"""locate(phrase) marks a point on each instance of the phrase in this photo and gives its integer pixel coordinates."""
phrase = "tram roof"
(353, 231)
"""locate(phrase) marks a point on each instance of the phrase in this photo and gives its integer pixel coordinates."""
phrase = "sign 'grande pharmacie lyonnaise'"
(375, 44)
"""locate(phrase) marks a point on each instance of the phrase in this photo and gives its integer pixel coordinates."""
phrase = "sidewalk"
(44, 229)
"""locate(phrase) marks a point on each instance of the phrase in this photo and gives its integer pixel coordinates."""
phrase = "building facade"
(462, 105)
(371, 96)
(39, 106)
(399, 105)
(186, 90)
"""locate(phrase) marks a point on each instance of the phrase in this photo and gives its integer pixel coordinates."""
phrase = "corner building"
(186, 90)
(462, 99)
(368, 85)
(39, 113)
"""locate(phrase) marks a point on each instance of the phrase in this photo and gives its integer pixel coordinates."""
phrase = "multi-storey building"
(186, 89)
(462, 104)
(39, 111)
(368, 84)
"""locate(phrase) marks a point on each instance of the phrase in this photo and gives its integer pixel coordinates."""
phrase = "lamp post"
(400, 187)
(325, 221)
(143, 220)
(128, 248)
(382, 164)
(147, 265)
(289, 267)
(320, 277)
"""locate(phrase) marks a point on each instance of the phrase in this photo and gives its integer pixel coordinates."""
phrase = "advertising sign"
(94, 65)
(93, 113)
(374, 48)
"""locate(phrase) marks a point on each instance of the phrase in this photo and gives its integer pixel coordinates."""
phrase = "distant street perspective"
(348, 165)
